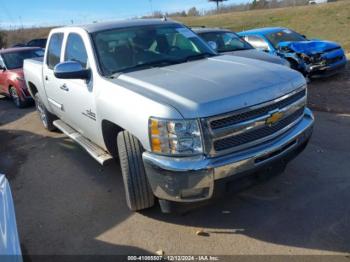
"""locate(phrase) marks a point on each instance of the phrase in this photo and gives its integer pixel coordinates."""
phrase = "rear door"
(52, 85)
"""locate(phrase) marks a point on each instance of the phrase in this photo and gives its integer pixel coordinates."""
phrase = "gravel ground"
(331, 94)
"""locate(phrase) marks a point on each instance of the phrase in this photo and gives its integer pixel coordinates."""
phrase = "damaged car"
(313, 58)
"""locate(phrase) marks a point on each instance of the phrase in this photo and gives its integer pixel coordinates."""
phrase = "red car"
(12, 82)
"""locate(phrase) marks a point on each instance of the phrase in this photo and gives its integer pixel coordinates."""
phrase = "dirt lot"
(332, 94)
(67, 204)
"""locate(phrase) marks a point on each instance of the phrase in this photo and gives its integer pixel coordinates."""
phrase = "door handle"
(64, 87)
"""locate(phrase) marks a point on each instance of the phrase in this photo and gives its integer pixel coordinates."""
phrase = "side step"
(94, 150)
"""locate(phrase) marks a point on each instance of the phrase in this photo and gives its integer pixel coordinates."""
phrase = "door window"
(257, 42)
(54, 50)
(75, 50)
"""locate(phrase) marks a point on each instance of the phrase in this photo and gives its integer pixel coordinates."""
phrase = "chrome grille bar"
(248, 127)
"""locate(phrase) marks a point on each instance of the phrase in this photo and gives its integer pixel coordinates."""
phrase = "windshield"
(226, 41)
(285, 35)
(134, 48)
(15, 60)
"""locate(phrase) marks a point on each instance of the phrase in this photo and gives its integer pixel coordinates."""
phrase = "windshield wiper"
(145, 66)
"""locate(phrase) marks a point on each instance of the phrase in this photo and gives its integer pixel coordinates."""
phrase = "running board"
(94, 150)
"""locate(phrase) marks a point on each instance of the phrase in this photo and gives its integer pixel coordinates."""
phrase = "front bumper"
(192, 179)
(319, 71)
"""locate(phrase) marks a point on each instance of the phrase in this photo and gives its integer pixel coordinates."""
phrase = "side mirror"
(263, 49)
(71, 70)
(2, 68)
(213, 45)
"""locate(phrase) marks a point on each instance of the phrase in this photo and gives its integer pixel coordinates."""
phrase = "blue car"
(313, 58)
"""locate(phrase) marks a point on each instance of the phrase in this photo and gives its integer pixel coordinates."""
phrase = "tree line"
(225, 8)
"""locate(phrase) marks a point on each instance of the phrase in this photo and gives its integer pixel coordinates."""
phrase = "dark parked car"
(18, 45)
(313, 58)
(12, 82)
(40, 42)
(229, 43)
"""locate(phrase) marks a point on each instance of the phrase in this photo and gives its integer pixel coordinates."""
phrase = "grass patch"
(327, 21)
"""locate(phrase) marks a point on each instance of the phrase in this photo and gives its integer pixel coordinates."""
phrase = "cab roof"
(200, 30)
(263, 30)
(96, 27)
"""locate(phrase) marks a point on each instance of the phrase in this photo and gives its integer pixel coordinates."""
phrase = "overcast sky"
(28, 13)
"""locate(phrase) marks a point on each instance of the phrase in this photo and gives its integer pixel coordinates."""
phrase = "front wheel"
(45, 116)
(138, 192)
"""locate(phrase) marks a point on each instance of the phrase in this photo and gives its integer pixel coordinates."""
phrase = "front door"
(78, 96)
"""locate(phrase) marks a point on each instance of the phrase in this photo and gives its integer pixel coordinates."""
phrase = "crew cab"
(179, 117)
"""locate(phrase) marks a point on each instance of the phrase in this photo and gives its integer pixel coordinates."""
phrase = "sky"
(18, 13)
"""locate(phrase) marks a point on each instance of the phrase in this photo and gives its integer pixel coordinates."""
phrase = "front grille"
(226, 143)
(237, 118)
(331, 61)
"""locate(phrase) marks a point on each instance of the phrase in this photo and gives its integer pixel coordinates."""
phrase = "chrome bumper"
(191, 179)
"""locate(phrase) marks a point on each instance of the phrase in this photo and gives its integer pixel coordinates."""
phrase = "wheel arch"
(110, 133)
(32, 89)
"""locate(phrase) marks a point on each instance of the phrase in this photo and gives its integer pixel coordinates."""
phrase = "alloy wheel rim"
(42, 114)
(14, 96)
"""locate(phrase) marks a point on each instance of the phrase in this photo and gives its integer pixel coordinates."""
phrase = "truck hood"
(310, 47)
(213, 86)
(255, 54)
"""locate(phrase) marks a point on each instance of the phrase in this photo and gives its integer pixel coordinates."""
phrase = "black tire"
(138, 192)
(16, 98)
(45, 116)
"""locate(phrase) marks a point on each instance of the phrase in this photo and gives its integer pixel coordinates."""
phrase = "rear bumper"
(192, 179)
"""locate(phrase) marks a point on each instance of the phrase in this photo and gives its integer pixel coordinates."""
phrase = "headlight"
(20, 78)
(175, 137)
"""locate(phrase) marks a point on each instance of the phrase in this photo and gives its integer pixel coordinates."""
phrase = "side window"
(75, 50)
(257, 42)
(54, 50)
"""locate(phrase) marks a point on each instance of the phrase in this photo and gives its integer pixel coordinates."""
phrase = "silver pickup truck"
(179, 116)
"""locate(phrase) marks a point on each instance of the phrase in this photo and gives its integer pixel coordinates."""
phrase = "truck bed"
(32, 69)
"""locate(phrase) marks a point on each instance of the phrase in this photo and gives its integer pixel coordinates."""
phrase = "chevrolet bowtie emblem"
(274, 118)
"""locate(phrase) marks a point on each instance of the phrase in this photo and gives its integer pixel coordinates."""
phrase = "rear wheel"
(45, 116)
(16, 98)
(138, 192)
